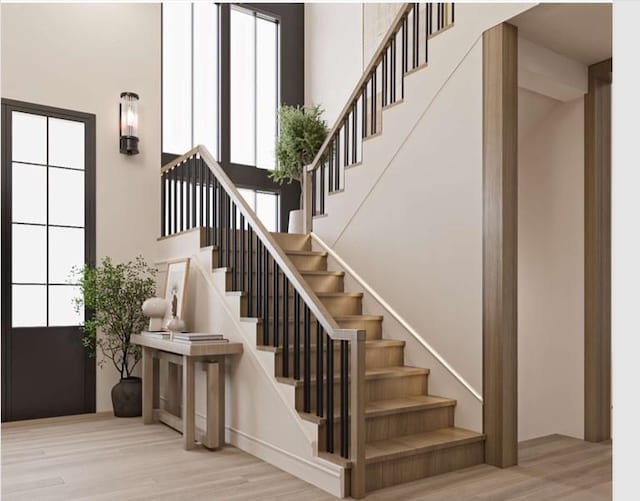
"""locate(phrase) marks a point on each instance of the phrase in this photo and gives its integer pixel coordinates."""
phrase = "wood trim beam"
(500, 224)
(597, 254)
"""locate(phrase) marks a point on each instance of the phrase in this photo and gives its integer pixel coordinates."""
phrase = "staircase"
(372, 415)
(410, 434)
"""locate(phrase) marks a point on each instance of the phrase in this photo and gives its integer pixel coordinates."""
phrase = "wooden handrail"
(288, 268)
(373, 63)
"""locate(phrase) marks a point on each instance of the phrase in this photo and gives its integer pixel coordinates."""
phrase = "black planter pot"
(126, 397)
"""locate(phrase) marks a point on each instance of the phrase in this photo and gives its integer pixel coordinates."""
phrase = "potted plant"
(114, 294)
(302, 133)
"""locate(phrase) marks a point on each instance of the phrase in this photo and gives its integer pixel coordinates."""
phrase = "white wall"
(551, 269)
(332, 54)
(80, 57)
(410, 219)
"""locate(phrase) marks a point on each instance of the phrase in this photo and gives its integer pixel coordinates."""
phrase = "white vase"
(296, 221)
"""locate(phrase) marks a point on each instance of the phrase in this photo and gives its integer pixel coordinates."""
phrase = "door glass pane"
(66, 250)
(61, 306)
(205, 76)
(266, 92)
(242, 87)
(66, 143)
(176, 77)
(66, 197)
(267, 210)
(29, 193)
(29, 138)
(29, 305)
(29, 254)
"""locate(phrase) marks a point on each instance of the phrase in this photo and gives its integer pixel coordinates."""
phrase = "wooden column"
(188, 403)
(148, 376)
(500, 224)
(597, 254)
(215, 404)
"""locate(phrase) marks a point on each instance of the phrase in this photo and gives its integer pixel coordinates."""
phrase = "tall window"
(189, 76)
(254, 88)
(47, 218)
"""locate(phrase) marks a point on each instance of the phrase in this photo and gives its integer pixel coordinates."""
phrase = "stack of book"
(156, 334)
(198, 338)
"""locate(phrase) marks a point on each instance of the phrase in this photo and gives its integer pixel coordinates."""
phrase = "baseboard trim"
(74, 418)
(318, 473)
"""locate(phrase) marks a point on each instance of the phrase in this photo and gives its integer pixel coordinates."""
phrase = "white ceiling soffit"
(580, 31)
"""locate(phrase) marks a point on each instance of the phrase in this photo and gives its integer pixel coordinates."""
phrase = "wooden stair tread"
(387, 407)
(339, 294)
(337, 318)
(305, 253)
(370, 344)
(322, 273)
(370, 374)
(419, 443)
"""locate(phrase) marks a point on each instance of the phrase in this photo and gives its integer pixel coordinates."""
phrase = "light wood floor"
(103, 458)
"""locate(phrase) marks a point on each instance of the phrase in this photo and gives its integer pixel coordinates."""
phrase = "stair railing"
(403, 49)
(197, 193)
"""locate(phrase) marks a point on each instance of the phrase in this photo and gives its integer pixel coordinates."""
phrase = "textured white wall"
(80, 57)
(551, 269)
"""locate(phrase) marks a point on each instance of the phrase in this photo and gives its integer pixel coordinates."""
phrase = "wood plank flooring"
(103, 458)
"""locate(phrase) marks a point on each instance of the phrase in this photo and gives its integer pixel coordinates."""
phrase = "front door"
(48, 227)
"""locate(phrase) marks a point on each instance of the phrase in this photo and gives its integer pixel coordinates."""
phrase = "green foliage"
(114, 293)
(302, 132)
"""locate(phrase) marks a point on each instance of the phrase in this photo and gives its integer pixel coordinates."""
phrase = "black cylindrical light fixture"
(129, 123)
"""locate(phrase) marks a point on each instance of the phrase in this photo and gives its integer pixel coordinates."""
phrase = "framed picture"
(175, 288)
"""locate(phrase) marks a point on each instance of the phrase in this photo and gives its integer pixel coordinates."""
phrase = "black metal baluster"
(330, 407)
(394, 75)
(319, 374)
(250, 272)
(364, 110)
(296, 335)
(285, 326)
(259, 279)
(276, 305)
(163, 208)
(227, 214)
(243, 269)
(307, 361)
(439, 16)
(336, 174)
(403, 58)
(174, 200)
(430, 6)
(188, 194)
(220, 216)
(416, 37)
(453, 12)
(314, 192)
(322, 167)
(374, 101)
(427, 22)
(215, 210)
(194, 184)
(180, 169)
(234, 247)
(200, 165)
(207, 198)
(344, 399)
(346, 142)
(354, 134)
(331, 160)
(265, 296)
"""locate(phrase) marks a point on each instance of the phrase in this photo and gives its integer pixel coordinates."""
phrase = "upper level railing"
(197, 193)
(403, 49)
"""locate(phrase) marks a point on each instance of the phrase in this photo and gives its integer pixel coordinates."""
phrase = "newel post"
(357, 404)
(307, 200)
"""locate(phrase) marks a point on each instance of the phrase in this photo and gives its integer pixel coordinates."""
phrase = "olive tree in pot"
(114, 294)
(302, 133)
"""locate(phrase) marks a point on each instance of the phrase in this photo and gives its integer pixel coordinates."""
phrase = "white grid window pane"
(249, 196)
(29, 254)
(61, 306)
(66, 251)
(266, 92)
(176, 77)
(267, 210)
(28, 138)
(243, 83)
(205, 76)
(66, 197)
(29, 305)
(29, 193)
(66, 143)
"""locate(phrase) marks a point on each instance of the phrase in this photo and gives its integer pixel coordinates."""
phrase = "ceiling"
(580, 31)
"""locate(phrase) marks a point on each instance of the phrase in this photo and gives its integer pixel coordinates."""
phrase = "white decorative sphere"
(176, 325)
(155, 307)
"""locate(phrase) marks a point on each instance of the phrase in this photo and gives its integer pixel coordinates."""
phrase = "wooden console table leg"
(215, 404)
(147, 385)
(188, 403)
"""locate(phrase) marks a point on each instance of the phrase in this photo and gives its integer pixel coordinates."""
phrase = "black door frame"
(290, 16)
(8, 106)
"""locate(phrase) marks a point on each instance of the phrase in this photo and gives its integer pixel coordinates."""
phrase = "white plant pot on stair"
(296, 221)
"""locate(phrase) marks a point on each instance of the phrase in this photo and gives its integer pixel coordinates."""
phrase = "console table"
(212, 355)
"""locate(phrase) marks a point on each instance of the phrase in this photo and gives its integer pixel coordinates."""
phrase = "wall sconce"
(129, 123)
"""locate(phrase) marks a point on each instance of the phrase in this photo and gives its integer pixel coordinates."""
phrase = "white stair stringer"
(261, 417)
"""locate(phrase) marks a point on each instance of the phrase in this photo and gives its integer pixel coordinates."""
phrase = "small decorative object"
(115, 293)
(302, 133)
(155, 308)
(175, 324)
(129, 123)
(175, 290)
